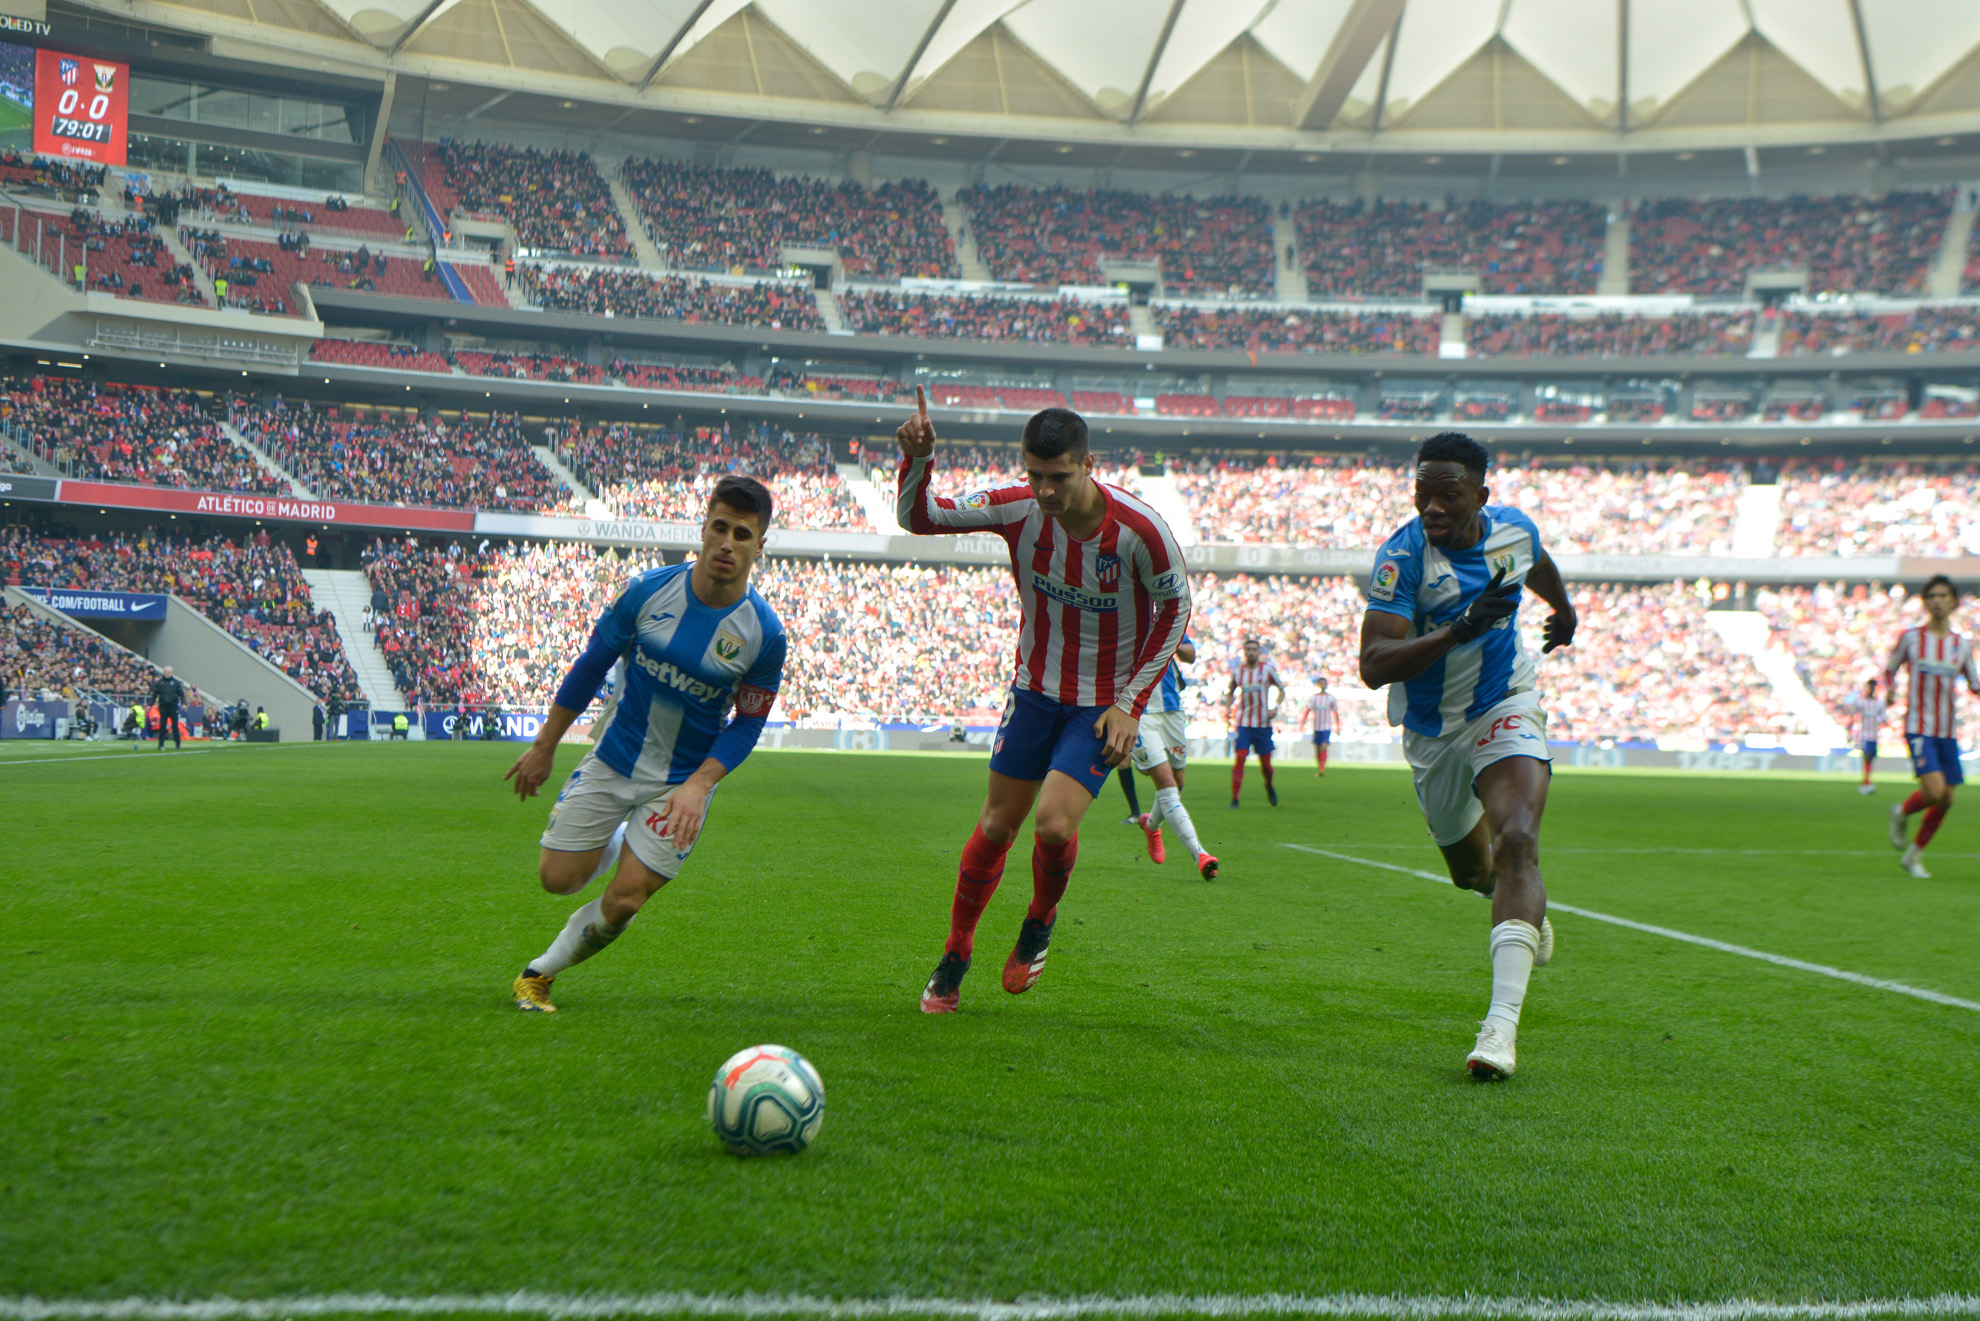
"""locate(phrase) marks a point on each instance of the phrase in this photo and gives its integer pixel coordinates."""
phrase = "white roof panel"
(1671, 42)
(1574, 45)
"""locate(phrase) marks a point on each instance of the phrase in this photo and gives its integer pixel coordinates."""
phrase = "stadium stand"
(41, 655)
(1923, 330)
(394, 459)
(481, 283)
(671, 376)
(261, 275)
(1847, 244)
(1835, 508)
(710, 219)
(1384, 249)
(122, 257)
(556, 200)
(371, 353)
(1029, 320)
(1608, 335)
(659, 473)
(1287, 331)
(1839, 634)
(253, 590)
(1217, 246)
(773, 305)
(528, 367)
(128, 433)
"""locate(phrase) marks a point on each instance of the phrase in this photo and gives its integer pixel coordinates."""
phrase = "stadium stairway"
(1756, 521)
(593, 506)
(643, 246)
(1746, 632)
(967, 257)
(877, 506)
(1161, 493)
(16, 457)
(1288, 277)
(183, 255)
(1615, 255)
(345, 593)
(1950, 268)
(266, 460)
(828, 310)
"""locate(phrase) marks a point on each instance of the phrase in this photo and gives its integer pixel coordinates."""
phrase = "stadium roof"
(1481, 75)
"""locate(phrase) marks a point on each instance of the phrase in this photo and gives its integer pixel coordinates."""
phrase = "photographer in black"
(166, 694)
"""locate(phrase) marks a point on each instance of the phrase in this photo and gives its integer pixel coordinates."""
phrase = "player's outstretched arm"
(1545, 580)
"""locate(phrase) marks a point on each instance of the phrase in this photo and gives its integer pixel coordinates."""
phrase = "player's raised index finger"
(921, 405)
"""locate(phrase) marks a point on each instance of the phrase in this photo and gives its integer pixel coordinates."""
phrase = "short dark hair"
(1937, 579)
(1455, 447)
(745, 495)
(1055, 432)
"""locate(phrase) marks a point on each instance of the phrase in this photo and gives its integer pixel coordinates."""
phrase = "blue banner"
(85, 604)
(19, 719)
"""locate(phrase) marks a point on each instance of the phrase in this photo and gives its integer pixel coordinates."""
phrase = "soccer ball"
(766, 1099)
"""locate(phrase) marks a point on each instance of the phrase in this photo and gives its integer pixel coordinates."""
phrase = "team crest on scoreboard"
(106, 77)
(1107, 572)
(68, 69)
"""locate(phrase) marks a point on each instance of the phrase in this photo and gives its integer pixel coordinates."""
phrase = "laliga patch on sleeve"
(1167, 586)
(754, 701)
(1383, 585)
(975, 500)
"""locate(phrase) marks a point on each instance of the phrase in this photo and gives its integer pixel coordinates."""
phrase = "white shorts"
(1161, 734)
(1446, 766)
(595, 800)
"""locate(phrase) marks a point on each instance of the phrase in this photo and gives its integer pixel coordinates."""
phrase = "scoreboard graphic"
(81, 107)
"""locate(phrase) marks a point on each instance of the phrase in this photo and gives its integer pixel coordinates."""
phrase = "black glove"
(1496, 602)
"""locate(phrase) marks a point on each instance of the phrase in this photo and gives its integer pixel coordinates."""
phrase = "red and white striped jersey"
(1254, 684)
(1323, 707)
(1866, 716)
(1936, 661)
(1102, 616)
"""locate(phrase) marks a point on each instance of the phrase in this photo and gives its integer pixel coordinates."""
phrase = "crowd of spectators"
(69, 181)
(1839, 634)
(1384, 249)
(772, 304)
(124, 257)
(1848, 244)
(666, 474)
(128, 433)
(1607, 335)
(556, 200)
(40, 655)
(1581, 508)
(478, 463)
(1077, 321)
(1922, 330)
(1833, 507)
(254, 590)
(705, 218)
(529, 367)
(1257, 330)
(1205, 246)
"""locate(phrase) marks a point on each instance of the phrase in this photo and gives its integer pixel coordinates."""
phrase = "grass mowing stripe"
(1377, 1306)
(1725, 947)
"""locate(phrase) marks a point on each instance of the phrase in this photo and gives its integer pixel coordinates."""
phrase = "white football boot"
(1866, 789)
(1492, 1058)
(1913, 861)
(1898, 840)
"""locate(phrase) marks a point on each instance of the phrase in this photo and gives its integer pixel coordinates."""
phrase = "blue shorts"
(1870, 750)
(1325, 736)
(1930, 754)
(1039, 735)
(1253, 738)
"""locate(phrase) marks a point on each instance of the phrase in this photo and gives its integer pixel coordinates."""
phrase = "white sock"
(609, 858)
(1514, 943)
(1168, 806)
(583, 936)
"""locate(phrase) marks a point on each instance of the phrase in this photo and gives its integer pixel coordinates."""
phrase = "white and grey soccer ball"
(764, 1100)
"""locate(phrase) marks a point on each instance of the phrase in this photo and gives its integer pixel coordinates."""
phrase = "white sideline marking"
(1779, 960)
(1381, 1307)
(60, 759)
(1753, 853)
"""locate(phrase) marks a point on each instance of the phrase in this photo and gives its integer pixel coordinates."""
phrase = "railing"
(37, 236)
(212, 345)
(45, 451)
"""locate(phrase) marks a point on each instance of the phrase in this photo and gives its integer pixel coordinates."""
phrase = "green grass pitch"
(257, 1043)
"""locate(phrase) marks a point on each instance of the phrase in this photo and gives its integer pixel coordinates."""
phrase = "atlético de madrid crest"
(1107, 572)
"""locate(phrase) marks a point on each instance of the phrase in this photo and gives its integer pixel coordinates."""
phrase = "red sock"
(1237, 774)
(1866, 769)
(1265, 765)
(982, 867)
(1323, 756)
(1929, 826)
(1051, 868)
(1915, 804)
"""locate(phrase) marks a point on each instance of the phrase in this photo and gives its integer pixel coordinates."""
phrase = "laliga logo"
(1504, 724)
(26, 719)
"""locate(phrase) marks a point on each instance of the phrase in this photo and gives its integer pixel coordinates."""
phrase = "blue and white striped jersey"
(681, 666)
(1431, 587)
(1168, 694)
